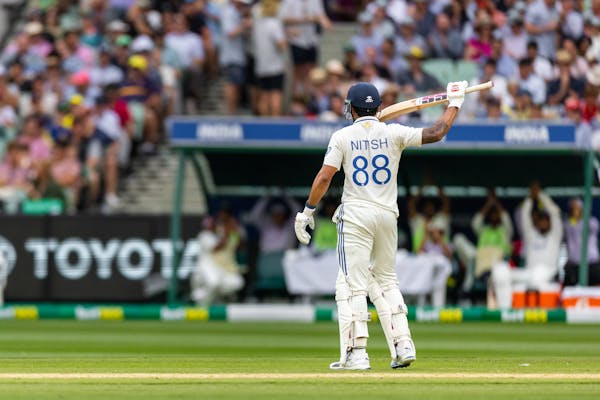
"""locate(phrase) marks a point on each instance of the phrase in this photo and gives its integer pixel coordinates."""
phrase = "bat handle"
(482, 86)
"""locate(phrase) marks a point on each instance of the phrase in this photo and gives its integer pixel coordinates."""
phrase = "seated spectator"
(38, 142)
(565, 84)
(318, 101)
(366, 37)
(105, 73)
(217, 274)
(389, 64)
(444, 39)
(479, 47)
(408, 38)
(541, 65)
(17, 177)
(515, 37)
(542, 234)
(574, 238)
(531, 82)
(493, 110)
(65, 176)
(415, 79)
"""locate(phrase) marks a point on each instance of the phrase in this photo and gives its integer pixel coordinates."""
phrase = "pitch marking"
(290, 376)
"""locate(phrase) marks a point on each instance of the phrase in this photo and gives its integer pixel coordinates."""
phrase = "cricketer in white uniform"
(369, 152)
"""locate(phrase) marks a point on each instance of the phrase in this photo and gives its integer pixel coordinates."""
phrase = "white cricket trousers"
(367, 243)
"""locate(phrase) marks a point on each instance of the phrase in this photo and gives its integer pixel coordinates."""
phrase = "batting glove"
(304, 219)
(456, 93)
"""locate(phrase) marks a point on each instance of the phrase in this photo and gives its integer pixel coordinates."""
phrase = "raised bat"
(418, 103)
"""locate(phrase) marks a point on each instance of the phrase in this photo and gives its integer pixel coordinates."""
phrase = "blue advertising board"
(205, 133)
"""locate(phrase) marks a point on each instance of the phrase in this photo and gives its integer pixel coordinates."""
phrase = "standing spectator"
(542, 235)
(515, 37)
(424, 19)
(189, 49)
(439, 252)
(302, 18)
(574, 239)
(542, 22)
(232, 56)
(195, 13)
(571, 20)
(268, 38)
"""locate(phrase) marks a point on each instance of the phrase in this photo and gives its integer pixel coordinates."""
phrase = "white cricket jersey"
(369, 151)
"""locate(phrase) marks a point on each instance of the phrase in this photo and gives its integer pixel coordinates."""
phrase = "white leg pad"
(360, 317)
(399, 311)
(384, 313)
(342, 298)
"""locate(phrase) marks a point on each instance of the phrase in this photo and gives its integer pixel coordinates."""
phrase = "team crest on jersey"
(369, 99)
(328, 150)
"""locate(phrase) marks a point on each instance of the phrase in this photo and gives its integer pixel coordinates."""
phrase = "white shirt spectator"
(266, 33)
(543, 68)
(188, 47)
(305, 34)
(232, 48)
(540, 15)
(536, 86)
(397, 10)
(102, 76)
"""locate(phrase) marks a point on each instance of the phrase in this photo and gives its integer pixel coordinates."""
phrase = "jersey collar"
(367, 118)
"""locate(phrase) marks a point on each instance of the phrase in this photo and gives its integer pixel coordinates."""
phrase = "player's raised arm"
(456, 96)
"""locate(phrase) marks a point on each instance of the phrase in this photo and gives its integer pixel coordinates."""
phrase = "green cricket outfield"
(220, 360)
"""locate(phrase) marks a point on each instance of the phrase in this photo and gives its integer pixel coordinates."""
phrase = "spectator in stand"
(382, 25)
(408, 38)
(505, 65)
(542, 234)
(571, 20)
(493, 110)
(542, 22)
(388, 63)
(302, 18)
(565, 85)
(195, 13)
(232, 56)
(423, 17)
(140, 92)
(415, 79)
(38, 142)
(479, 47)
(105, 72)
(583, 133)
(579, 66)
(476, 103)
(541, 65)
(444, 40)
(337, 78)
(65, 177)
(369, 74)
(17, 177)
(531, 82)
(436, 239)
(366, 37)
(269, 42)
(515, 37)
(75, 55)
(318, 101)
(574, 238)
(190, 51)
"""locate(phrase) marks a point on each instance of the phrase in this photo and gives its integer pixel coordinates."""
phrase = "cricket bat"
(418, 103)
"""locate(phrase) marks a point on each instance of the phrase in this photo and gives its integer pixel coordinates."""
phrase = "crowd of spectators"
(86, 84)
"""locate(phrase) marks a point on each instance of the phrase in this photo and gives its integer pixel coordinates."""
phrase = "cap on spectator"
(33, 28)
(318, 76)
(365, 17)
(335, 67)
(138, 62)
(563, 57)
(593, 75)
(117, 26)
(80, 78)
(123, 40)
(76, 100)
(142, 44)
(415, 52)
(572, 104)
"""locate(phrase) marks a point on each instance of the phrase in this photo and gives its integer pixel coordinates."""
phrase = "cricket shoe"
(353, 362)
(405, 349)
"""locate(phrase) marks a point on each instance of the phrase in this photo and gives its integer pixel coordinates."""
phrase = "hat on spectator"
(76, 100)
(117, 26)
(335, 67)
(123, 40)
(593, 75)
(138, 62)
(415, 52)
(365, 17)
(80, 78)
(142, 44)
(563, 57)
(318, 76)
(33, 28)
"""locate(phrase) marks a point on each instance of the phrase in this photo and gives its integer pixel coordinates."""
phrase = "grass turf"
(226, 348)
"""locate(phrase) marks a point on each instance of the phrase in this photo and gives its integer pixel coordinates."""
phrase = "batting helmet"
(363, 96)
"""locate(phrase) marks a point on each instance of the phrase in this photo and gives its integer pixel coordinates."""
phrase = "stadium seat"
(269, 271)
(441, 69)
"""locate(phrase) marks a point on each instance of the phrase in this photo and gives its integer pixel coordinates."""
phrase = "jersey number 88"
(379, 163)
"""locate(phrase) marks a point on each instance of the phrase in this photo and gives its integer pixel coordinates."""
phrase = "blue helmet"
(363, 95)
